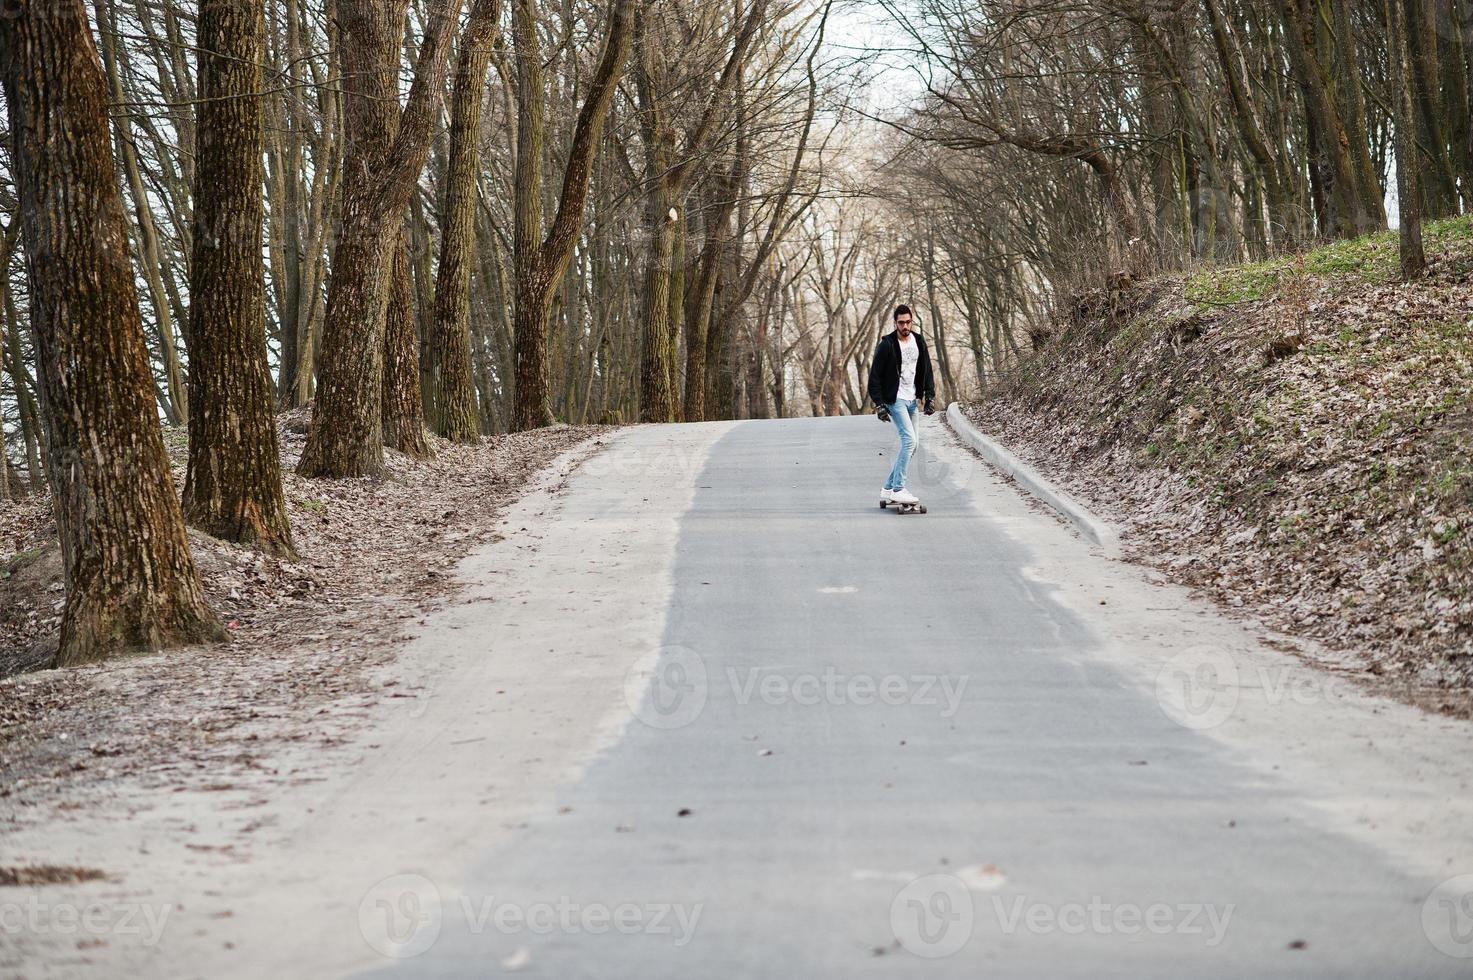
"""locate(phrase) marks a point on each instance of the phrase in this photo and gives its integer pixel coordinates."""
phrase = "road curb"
(1096, 530)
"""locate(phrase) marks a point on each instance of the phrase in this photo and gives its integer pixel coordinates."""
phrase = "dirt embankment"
(373, 554)
(1295, 437)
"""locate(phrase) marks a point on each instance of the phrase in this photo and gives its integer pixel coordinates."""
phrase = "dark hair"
(902, 308)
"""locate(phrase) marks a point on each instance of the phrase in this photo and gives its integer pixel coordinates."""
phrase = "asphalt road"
(884, 745)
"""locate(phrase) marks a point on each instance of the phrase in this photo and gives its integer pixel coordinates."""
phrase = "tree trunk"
(10, 360)
(529, 323)
(540, 261)
(402, 407)
(1461, 27)
(656, 393)
(1249, 130)
(1347, 209)
(680, 233)
(531, 293)
(974, 335)
(131, 582)
(346, 437)
(1349, 78)
(297, 380)
(947, 389)
(455, 414)
(1400, 21)
(30, 425)
(702, 296)
(1439, 182)
(668, 168)
(720, 370)
(176, 403)
(233, 486)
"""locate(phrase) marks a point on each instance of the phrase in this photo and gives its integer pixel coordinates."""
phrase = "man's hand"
(930, 407)
(882, 413)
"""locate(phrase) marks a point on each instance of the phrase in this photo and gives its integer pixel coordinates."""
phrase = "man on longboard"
(899, 376)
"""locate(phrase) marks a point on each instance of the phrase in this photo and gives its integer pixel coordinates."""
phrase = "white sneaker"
(903, 496)
(887, 495)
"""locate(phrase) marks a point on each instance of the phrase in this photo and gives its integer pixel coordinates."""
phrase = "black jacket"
(884, 371)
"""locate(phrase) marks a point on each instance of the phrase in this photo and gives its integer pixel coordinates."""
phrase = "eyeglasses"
(902, 323)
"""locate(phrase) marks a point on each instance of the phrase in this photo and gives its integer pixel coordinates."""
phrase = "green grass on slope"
(1372, 258)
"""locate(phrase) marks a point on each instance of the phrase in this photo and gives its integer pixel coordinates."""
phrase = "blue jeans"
(903, 414)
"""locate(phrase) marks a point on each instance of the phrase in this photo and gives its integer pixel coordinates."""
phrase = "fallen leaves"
(302, 633)
(1327, 488)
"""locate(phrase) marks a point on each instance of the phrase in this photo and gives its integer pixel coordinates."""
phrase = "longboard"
(916, 508)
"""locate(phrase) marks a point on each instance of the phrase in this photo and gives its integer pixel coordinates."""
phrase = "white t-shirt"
(910, 353)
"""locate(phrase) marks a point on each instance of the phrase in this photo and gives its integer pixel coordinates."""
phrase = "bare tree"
(346, 437)
(541, 260)
(670, 162)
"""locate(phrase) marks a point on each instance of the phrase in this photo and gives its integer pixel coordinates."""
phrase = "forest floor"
(1293, 437)
(375, 555)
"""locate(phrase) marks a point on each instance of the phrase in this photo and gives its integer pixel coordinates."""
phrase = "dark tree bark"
(1409, 165)
(656, 357)
(346, 437)
(455, 414)
(720, 371)
(131, 582)
(402, 406)
(233, 487)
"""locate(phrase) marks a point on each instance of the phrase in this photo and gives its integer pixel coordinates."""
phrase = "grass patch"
(18, 561)
(1370, 258)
